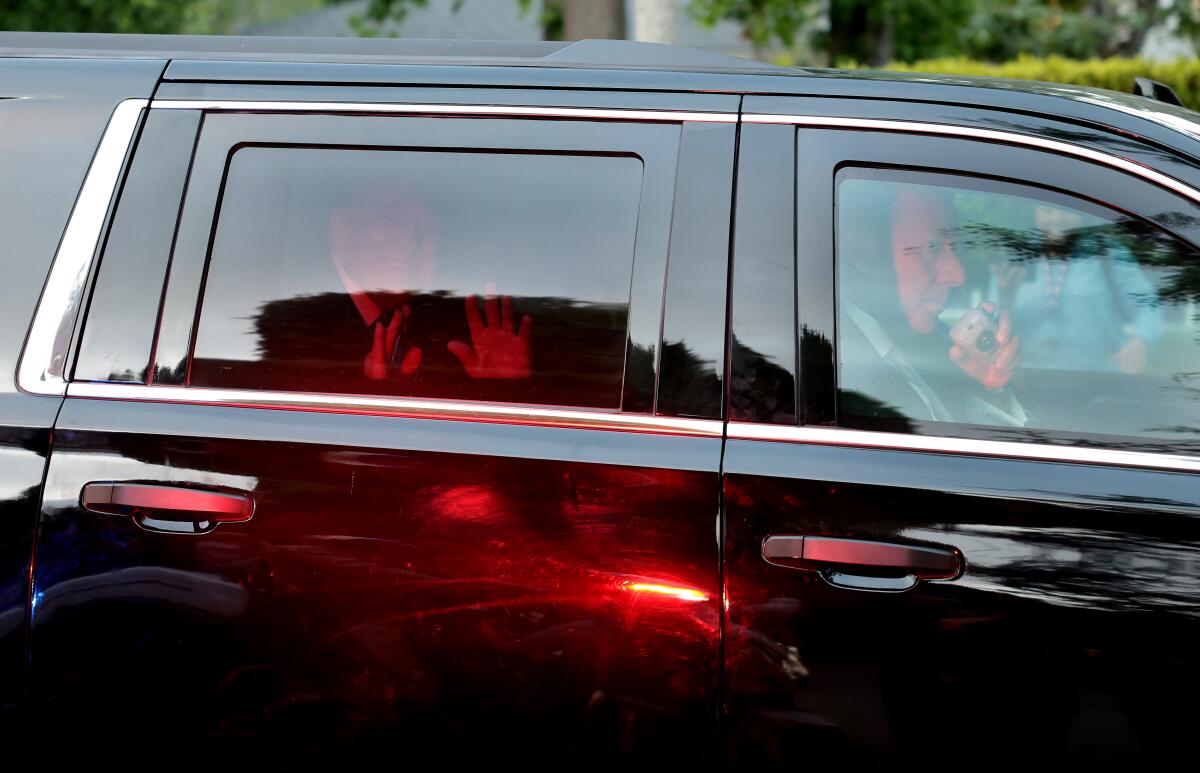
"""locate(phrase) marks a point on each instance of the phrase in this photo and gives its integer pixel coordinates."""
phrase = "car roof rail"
(1160, 92)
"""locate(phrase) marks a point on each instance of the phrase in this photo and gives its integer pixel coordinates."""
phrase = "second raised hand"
(377, 363)
(496, 349)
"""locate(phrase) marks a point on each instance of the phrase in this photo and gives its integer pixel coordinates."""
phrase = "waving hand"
(496, 350)
(376, 364)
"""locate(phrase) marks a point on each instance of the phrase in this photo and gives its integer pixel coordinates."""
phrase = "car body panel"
(472, 585)
(466, 589)
(52, 114)
(1073, 623)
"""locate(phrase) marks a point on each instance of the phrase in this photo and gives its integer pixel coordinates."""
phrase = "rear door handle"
(864, 564)
(175, 509)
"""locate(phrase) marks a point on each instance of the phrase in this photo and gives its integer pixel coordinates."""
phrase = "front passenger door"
(985, 560)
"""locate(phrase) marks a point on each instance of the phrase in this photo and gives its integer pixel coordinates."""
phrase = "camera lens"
(986, 341)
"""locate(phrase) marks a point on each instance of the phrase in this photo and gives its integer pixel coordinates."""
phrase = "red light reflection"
(683, 594)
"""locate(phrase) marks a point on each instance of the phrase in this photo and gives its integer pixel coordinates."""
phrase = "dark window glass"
(762, 371)
(479, 276)
(989, 304)
(119, 330)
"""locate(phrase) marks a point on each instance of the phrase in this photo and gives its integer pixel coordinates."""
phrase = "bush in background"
(1182, 75)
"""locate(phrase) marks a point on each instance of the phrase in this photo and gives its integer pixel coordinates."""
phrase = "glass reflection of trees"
(316, 343)
(761, 389)
(1173, 270)
(1149, 247)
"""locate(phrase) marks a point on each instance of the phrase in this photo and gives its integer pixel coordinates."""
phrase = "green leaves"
(1182, 75)
(144, 16)
(880, 31)
(763, 21)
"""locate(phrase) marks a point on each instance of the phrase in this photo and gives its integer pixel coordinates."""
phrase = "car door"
(934, 554)
(399, 453)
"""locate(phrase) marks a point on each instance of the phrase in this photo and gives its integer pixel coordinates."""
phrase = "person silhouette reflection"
(897, 281)
(384, 248)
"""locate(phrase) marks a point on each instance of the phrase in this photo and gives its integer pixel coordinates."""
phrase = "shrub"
(1182, 75)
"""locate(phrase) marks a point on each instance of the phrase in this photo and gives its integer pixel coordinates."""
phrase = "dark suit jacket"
(892, 402)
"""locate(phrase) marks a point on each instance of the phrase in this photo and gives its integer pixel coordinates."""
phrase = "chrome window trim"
(76, 250)
(983, 448)
(989, 135)
(73, 259)
(403, 407)
(891, 441)
(500, 111)
(566, 418)
(1151, 111)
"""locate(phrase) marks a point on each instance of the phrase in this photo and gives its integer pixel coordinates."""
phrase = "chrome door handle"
(883, 566)
(175, 509)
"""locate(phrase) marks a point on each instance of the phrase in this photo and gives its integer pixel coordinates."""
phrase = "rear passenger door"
(926, 561)
(401, 452)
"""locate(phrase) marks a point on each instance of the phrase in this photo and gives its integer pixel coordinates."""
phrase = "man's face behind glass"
(926, 267)
(387, 246)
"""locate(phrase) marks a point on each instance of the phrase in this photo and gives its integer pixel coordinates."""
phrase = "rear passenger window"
(973, 302)
(445, 274)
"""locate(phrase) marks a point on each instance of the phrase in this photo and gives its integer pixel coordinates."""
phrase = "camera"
(975, 334)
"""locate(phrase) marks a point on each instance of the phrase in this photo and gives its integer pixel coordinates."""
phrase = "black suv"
(574, 403)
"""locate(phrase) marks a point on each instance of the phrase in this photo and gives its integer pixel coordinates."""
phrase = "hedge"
(1182, 75)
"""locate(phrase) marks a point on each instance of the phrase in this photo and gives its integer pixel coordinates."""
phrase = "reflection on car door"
(375, 577)
(1068, 630)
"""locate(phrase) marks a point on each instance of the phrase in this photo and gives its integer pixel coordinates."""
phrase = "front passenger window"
(972, 302)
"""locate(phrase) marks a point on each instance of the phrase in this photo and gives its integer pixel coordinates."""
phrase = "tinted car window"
(974, 302)
(481, 276)
(119, 334)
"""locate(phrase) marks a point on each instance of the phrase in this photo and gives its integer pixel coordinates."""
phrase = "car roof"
(595, 64)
